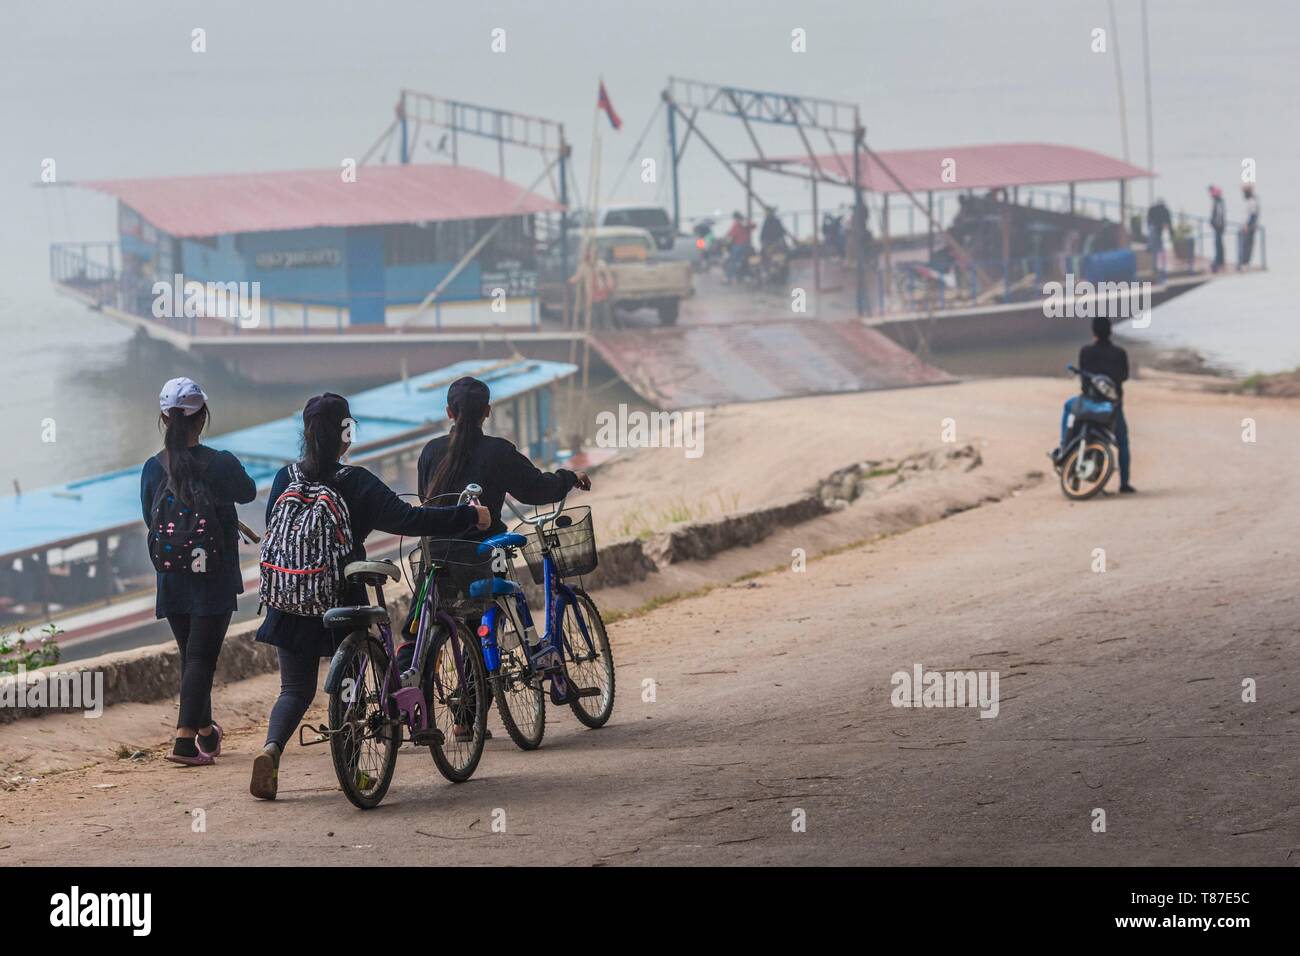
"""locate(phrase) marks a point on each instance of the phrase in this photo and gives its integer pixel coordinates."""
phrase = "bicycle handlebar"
(540, 519)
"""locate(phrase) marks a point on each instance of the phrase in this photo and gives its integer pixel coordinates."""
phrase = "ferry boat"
(392, 270)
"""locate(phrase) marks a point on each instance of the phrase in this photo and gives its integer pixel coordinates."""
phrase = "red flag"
(602, 102)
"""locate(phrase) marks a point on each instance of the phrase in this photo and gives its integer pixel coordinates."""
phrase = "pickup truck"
(630, 269)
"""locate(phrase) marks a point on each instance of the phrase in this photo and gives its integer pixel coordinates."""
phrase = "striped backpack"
(308, 539)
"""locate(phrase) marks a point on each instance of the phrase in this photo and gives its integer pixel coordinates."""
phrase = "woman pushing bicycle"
(319, 507)
(467, 456)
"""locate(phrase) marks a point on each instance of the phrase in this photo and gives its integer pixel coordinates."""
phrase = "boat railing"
(906, 221)
(92, 271)
(1201, 231)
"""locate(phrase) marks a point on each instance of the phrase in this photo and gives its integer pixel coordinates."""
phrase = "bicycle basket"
(572, 547)
(457, 565)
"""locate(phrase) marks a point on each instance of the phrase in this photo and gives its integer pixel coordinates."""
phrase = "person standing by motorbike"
(1250, 228)
(1158, 221)
(774, 249)
(740, 240)
(1218, 222)
(772, 236)
(1103, 357)
(833, 233)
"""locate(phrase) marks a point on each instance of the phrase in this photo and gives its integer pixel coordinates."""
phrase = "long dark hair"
(324, 419)
(468, 399)
(183, 473)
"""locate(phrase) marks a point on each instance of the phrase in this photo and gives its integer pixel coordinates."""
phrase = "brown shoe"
(266, 776)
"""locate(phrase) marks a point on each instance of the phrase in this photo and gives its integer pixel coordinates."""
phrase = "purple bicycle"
(436, 693)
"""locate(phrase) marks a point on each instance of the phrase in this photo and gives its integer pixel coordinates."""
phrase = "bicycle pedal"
(567, 697)
(429, 737)
(588, 691)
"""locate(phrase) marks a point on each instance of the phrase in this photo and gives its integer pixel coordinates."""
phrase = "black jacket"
(1105, 358)
(372, 506)
(498, 467)
(203, 594)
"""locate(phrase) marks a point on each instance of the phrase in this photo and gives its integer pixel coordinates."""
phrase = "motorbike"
(1088, 458)
(773, 267)
(708, 247)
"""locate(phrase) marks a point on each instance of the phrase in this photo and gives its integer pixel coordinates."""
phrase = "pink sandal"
(200, 759)
(216, 732)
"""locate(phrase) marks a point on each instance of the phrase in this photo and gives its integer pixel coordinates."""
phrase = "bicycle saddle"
(491, 587)
(507, 540)
(372, 572)
(355, 617)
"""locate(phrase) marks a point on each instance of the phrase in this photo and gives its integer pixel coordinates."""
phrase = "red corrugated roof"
(304, 199)
(977, 167)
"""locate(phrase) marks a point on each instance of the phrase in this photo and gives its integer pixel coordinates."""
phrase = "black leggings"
(199, 638)
(298, 675)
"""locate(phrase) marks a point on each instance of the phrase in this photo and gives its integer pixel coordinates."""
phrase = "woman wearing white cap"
(188, 493)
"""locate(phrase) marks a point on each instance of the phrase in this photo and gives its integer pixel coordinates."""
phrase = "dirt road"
(1120, 691)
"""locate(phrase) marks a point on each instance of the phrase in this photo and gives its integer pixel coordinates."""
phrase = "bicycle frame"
(396, 701)
(547, 658)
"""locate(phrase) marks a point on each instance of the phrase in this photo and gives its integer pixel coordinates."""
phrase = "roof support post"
(1123, 212)
(564, 221)
(859, 224)
(929, 216)
(749, 192)
(888, 252)
(816, 244)
(401, 120)
(673, 156)
(1006, 252)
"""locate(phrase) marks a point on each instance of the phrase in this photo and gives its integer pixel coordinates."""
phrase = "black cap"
(329, 406)
(468, 393)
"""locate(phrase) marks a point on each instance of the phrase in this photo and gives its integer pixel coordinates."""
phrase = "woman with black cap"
(189, 484)
(372, 506)
(467, 456)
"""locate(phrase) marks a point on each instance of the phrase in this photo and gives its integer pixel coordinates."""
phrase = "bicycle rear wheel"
(456, 695)
(520, 699)
(363, 741)
(588, 660)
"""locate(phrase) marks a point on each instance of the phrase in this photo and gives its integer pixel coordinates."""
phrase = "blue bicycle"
(572, 654)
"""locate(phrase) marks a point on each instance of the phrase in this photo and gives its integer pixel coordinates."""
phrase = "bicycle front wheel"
(363, 741)
(456, 695)
(588, 660)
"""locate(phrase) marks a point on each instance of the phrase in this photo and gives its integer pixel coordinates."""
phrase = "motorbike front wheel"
(1086, 470)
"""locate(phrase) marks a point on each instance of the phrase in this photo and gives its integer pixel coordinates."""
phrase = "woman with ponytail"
(327, 429)
(196, 594)
(467, 456)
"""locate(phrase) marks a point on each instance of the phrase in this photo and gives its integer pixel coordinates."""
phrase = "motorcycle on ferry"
(773, 267)
(1088, 458)
(708, 247)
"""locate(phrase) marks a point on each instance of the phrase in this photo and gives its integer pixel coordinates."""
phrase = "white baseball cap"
(183, 393)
